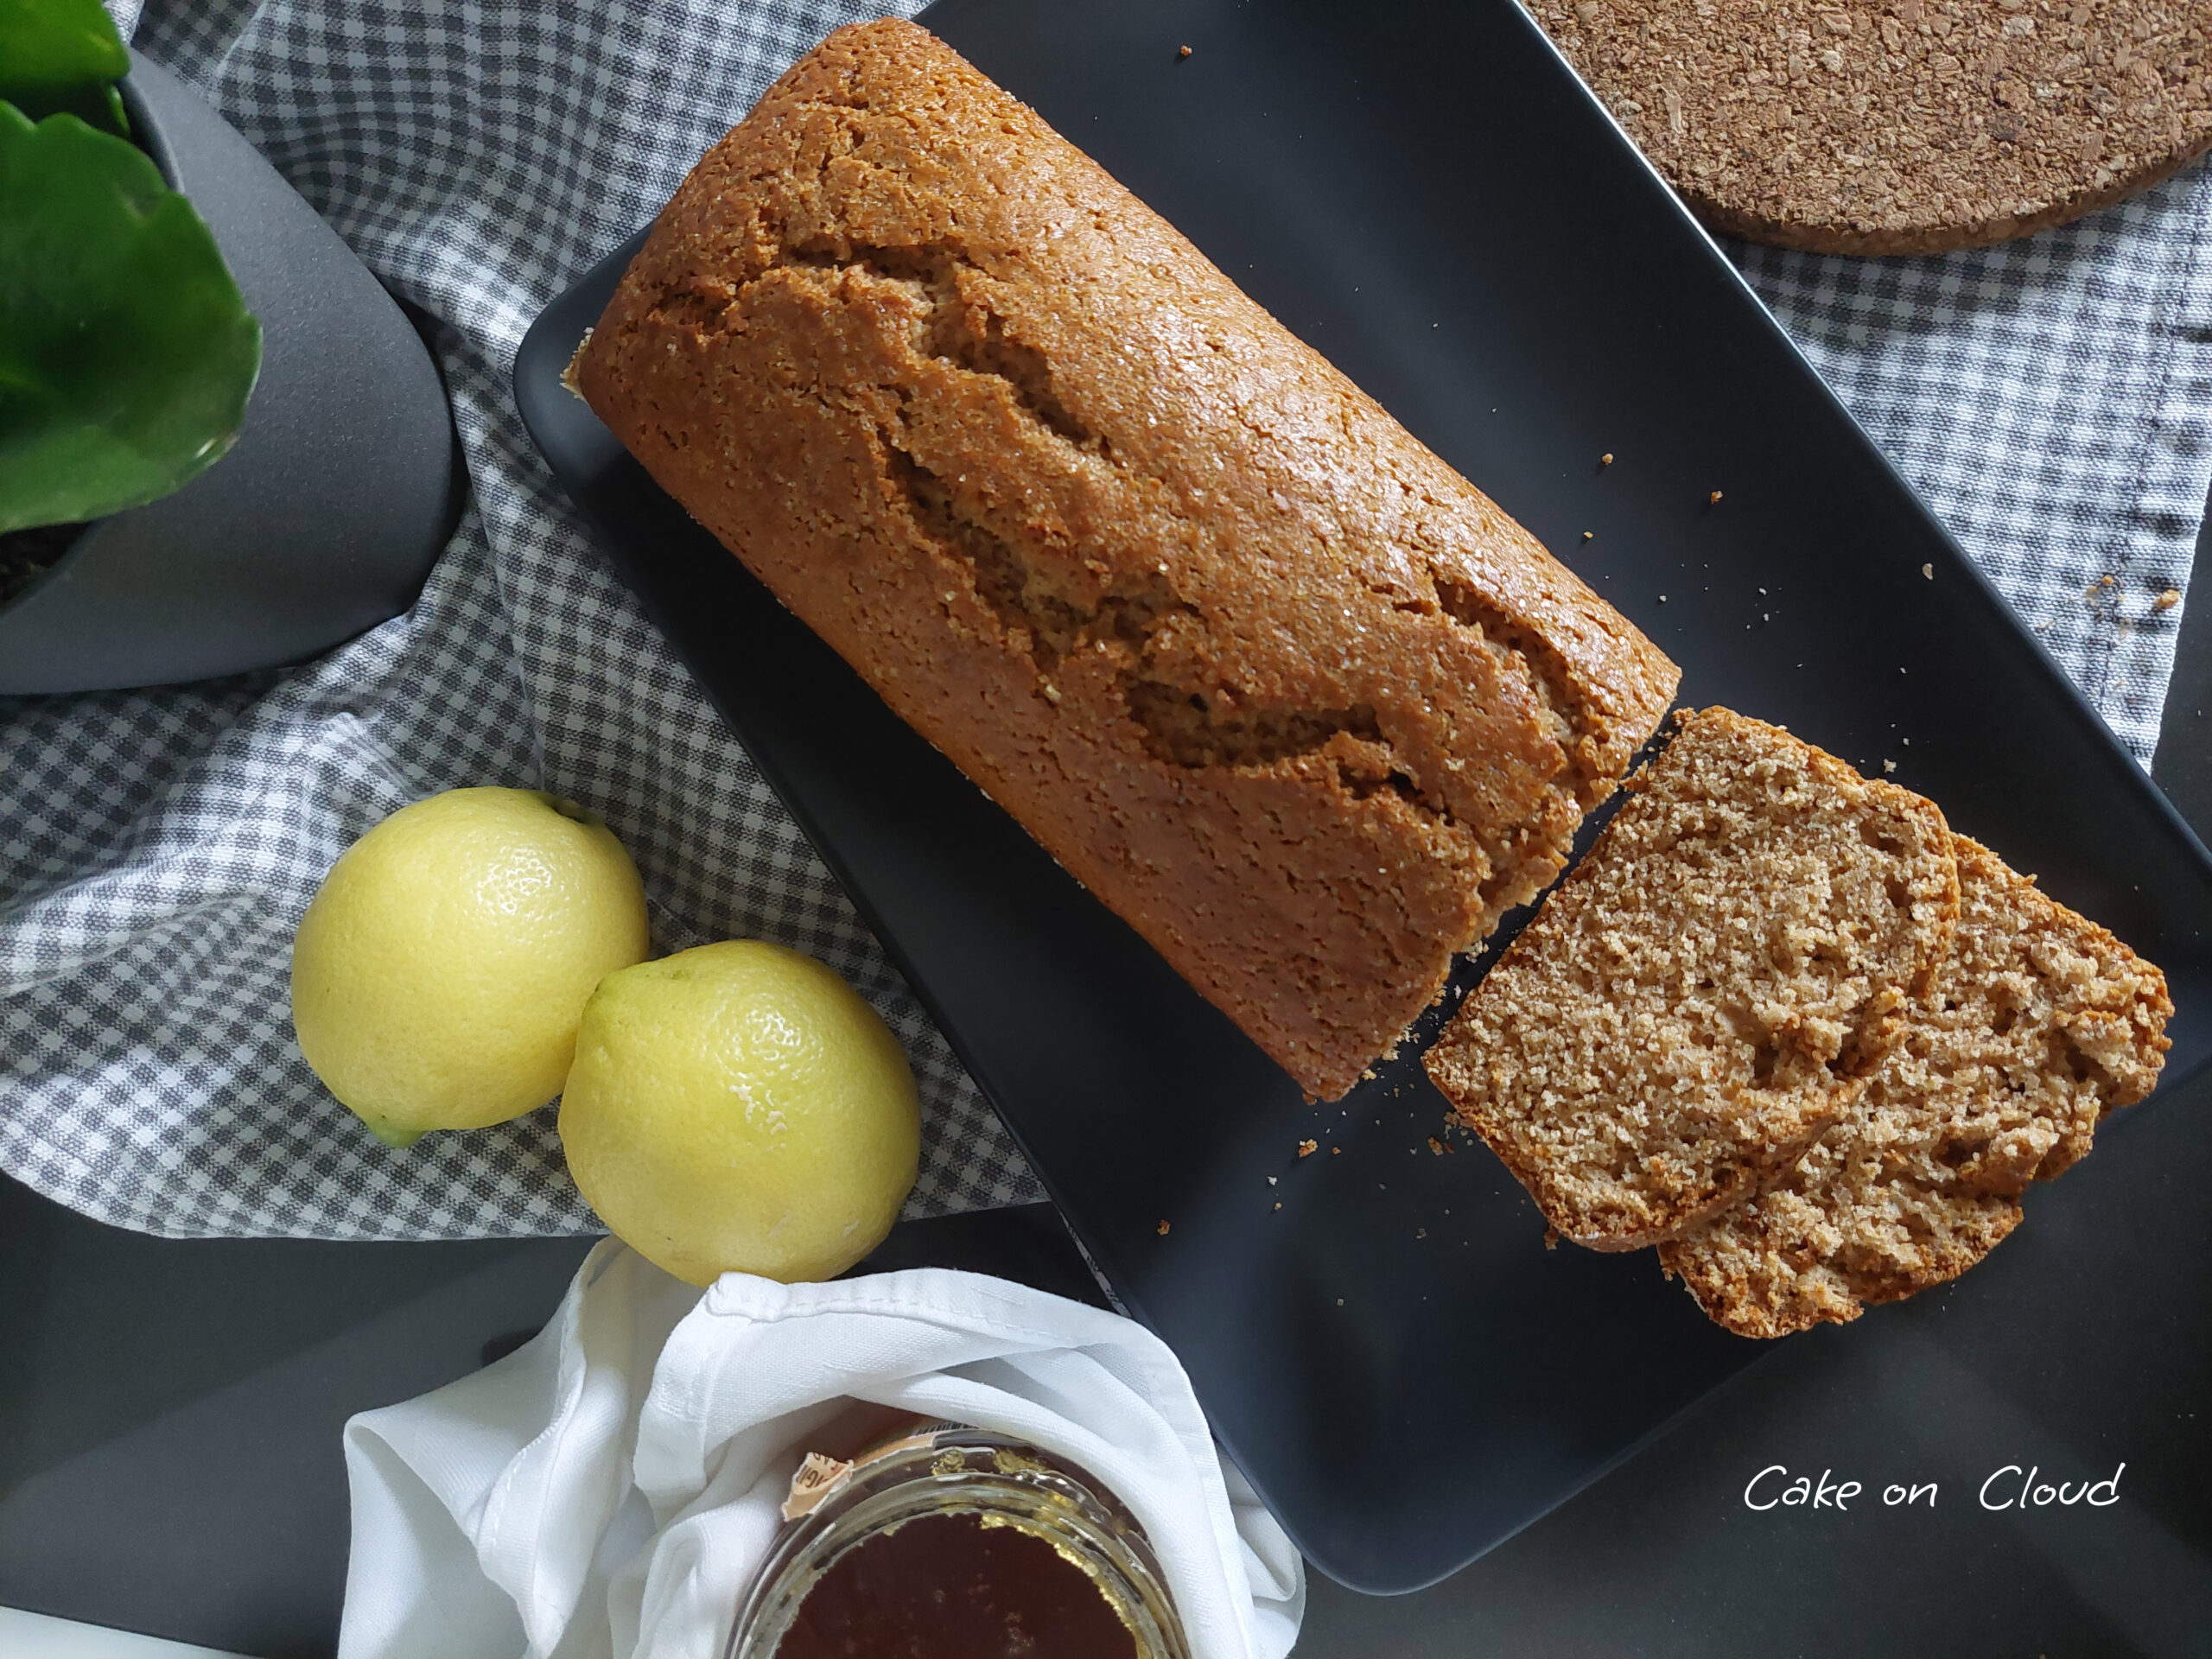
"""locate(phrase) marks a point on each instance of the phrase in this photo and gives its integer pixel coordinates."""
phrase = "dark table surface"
(169, 1460)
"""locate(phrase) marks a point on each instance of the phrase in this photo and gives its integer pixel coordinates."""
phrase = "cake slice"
(2042, 1023)
(1709, 989)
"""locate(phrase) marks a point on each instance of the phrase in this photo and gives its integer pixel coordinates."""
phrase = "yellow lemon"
(739, 1107)
(439, 974)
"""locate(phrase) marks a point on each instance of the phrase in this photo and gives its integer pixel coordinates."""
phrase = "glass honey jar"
(948, 1543)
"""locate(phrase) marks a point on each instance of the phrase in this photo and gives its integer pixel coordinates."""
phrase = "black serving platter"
(1423, 191)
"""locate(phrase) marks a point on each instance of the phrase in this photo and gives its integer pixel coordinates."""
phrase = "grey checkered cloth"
(2052, 399)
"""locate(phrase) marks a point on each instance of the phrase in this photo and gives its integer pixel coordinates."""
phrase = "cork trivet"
(1915, 126)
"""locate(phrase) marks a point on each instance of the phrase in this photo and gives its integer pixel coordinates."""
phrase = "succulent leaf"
(126, 354)
(58, 55)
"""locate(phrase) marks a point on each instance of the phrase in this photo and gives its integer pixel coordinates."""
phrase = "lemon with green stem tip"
(439, 974)
(740, 1107)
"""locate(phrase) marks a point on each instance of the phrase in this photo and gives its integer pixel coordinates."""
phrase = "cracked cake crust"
(1282, 689)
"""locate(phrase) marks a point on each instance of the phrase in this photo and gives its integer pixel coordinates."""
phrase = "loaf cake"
(1710, 989)
(1270, 679)
(2041, 1023)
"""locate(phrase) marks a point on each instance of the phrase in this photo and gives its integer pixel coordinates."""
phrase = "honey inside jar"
(938, 1541)
(957, 1587)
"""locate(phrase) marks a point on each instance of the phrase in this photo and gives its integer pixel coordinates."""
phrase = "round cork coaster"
(1908, 126)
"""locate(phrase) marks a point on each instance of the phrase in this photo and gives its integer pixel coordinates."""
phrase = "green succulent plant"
(58, 55)
(126, 354)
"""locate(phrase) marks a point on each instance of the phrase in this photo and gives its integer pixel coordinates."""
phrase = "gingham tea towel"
(2052, 399)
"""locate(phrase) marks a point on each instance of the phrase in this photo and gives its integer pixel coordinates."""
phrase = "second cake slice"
(1709, 989)
(2043, 1025)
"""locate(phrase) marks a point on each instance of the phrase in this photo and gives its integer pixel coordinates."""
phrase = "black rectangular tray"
(1423, 191)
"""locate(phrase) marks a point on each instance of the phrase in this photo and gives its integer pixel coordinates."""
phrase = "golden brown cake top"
(1117, 335)
(1279, 686)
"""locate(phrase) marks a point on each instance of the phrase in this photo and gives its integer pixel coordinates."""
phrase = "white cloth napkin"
(608, 1489)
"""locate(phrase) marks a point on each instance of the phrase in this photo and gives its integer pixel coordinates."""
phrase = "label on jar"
(820, 1474)
(812, 1482)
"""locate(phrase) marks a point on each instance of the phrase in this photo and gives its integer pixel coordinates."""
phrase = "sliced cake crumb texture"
(1710, 988)
(2042, 1023)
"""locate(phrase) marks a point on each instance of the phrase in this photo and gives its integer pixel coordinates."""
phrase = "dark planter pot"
(327, 514)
